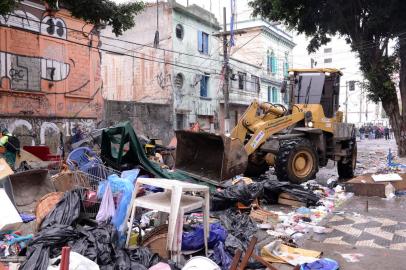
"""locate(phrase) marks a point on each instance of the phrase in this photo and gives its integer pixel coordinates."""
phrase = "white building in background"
(353, 96)
(259, 60)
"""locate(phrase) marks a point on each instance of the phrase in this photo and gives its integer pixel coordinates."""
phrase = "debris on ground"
(84, 210)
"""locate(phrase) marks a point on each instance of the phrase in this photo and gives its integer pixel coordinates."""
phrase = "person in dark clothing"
(386, 131)
(362, 133)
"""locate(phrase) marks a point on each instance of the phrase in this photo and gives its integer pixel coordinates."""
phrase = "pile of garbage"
(99, 213)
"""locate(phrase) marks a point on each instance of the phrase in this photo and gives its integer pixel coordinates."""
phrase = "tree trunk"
(401, 123)
(398, 125)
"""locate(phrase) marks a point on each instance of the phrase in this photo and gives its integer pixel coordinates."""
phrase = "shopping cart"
(88, 183)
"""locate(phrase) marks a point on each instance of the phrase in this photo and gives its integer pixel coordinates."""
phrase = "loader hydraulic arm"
(261, 127)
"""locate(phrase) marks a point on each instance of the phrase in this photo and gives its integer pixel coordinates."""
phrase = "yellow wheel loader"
(296, 140)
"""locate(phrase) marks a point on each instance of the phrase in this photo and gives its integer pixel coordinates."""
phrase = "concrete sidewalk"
(379, 234)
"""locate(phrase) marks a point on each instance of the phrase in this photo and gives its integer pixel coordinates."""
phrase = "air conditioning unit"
(233, 77)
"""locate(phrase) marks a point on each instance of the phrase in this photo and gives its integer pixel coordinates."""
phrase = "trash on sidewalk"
(92, 212)
(194, 240)
(276, 252)
(5, 169)
(321, 264)
(365, 185)
(200, 263)
(386, 177)
(45, 205)
(12, 243)
(76, 262)
(9, 217)
(352, 257)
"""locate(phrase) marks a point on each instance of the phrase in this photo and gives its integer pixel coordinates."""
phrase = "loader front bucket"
(210, 157)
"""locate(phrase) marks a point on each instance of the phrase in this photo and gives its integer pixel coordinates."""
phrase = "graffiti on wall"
(47, 63)
(25, 72)
(42, 132)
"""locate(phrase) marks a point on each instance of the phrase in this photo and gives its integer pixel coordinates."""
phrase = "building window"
(179, 79)
(271, 62)
(242, 78)
(328, 50)
(255, 83)
(179, 31)
(204, 84)
(286, 69)
(203, 42)
(275, 98)
(328, 60)
(180, 121)
(269, 94)
(286, 66)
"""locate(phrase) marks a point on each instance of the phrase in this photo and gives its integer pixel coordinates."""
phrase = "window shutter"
(274, 64)
(205, 43)
(269, 94)
(274, 95)
(200, 41)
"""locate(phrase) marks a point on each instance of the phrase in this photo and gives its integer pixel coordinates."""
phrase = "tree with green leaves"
(98, 12)
(368, 26)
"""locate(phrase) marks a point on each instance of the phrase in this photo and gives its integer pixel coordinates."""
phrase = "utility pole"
(226, 77)
(360, 101)
(346, 101)
(226, 70)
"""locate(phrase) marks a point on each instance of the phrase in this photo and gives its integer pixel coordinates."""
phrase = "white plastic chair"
(176, 204)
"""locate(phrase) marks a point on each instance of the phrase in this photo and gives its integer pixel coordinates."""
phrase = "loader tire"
(255, 169)
(296, 161)
(346, 170)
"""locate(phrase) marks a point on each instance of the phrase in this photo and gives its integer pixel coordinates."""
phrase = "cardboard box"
(364, 185)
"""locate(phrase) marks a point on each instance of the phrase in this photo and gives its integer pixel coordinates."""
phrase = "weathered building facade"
(50, 80)
(179, 73)
(259, 63)
(178, 80)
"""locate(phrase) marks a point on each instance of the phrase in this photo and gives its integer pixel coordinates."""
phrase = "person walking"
(10, 147)
(386, 131)
(371, 133)
(362, 132)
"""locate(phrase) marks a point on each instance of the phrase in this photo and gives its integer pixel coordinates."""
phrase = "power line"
(118, 39)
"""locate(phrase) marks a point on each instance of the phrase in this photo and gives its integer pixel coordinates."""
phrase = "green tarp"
(121, 148)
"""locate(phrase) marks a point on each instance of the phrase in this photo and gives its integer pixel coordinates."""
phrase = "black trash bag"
(96, 244)
(221, 257)
(66, 211)
(232, 243)
(37, 258)
(240, 192)
(47, 244)
(272, 190)
(144, 256)
(241, 228)
(301, 194)
(239, 225)
(122, 260)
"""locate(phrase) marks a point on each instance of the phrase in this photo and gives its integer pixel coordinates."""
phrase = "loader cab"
(315, 86)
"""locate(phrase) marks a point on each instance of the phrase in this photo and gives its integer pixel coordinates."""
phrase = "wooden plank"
(248, 252)
(236, 259)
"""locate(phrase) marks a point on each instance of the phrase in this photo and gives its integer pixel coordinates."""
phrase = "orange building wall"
(49, 66)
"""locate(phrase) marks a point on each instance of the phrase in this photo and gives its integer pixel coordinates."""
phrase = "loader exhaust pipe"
(210, 157)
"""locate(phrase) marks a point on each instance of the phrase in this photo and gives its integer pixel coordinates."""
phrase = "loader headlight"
(310, 124)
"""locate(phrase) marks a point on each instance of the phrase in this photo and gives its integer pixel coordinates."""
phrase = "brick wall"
(47, 68)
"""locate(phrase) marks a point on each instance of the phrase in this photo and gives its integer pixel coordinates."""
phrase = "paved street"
(378, 234)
